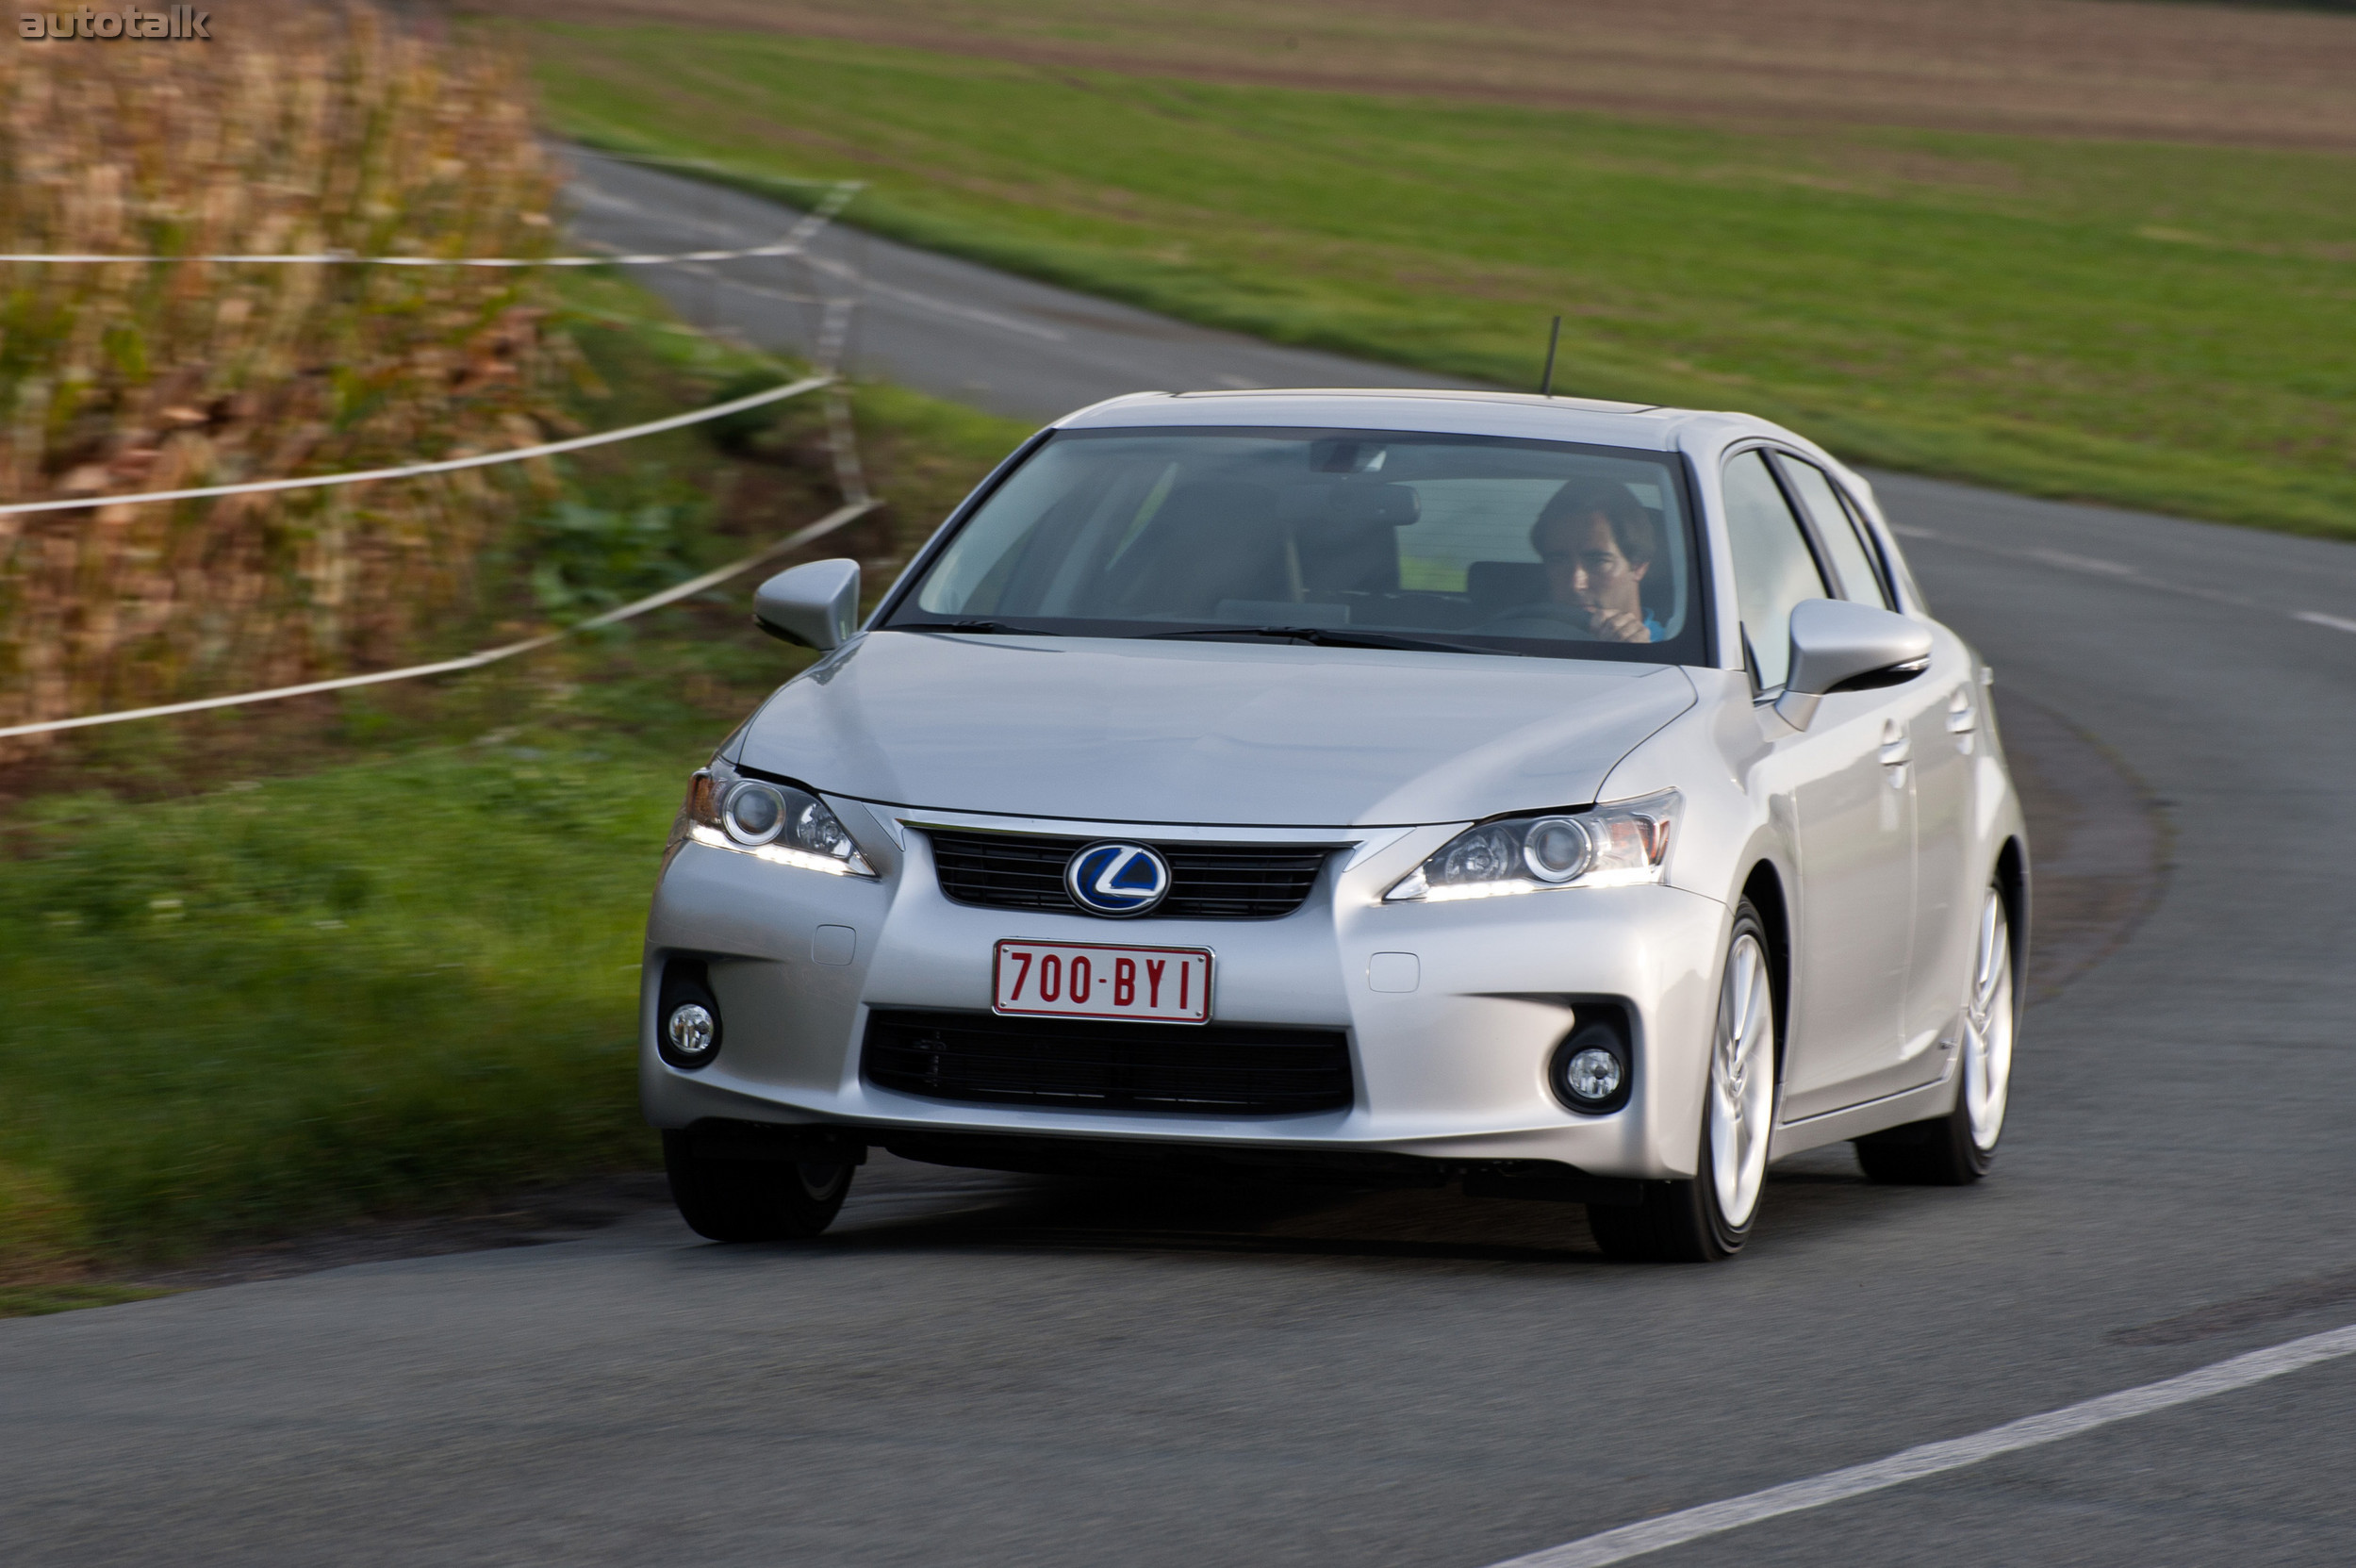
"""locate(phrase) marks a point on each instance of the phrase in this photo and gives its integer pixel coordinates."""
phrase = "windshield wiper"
(985, 627)
(1332, 636)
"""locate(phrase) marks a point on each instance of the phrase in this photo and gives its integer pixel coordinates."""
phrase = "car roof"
(1592, 421)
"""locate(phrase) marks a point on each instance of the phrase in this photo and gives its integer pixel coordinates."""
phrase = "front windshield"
(1469, 543)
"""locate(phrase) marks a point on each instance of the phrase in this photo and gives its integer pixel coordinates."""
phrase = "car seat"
(1211, 539)
(1350, 542)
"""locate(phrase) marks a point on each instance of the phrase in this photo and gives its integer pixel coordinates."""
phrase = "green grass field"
(279, 968)
(2141, 323)
(372, 988)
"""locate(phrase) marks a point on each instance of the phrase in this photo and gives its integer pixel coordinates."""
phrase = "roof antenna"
(1546, 382)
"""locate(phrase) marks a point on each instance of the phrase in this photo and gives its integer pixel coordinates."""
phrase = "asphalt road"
(925, 321)
(982, 1370)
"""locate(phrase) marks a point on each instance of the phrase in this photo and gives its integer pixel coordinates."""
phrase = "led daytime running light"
(780, 854)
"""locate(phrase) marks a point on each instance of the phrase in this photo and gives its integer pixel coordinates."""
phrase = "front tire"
(1710, 1217)
(1957, 1148)
(752, 1200)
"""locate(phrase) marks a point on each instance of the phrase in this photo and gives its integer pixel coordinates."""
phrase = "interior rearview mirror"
(816, 605)
(1838, 646)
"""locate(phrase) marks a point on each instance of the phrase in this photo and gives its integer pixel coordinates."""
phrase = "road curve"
(984, 1370)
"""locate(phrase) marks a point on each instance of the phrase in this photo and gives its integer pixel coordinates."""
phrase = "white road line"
(935, 303)
(920, 301)
(905, 296)
(2084, 563)
(1932, 1459)
(740, 287)
(2119, 572)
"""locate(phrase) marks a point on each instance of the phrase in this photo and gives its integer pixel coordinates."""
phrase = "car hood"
(1232, 733)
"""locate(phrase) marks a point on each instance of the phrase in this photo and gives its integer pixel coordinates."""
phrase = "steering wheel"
(1546, 620)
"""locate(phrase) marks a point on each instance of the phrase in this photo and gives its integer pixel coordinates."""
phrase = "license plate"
(1089, 979)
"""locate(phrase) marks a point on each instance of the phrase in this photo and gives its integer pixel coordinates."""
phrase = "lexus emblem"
(1116, 880)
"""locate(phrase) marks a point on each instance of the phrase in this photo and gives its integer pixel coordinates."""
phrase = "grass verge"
(376, 953)
(42, 1300)
(2141, 323)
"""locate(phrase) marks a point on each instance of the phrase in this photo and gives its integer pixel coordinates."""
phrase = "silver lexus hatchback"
(1565, 800)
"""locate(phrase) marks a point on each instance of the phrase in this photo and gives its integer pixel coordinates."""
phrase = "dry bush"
(296, 130)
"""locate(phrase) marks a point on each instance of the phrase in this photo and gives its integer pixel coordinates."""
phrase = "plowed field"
(2228, 74)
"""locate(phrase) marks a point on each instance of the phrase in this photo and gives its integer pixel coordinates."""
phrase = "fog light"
(1590, 1069)
(1593, 1074)
(690, 1036)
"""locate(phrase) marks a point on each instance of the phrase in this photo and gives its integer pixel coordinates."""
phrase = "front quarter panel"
(1732, 822)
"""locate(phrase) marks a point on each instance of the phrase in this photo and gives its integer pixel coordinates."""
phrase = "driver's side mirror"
(816, 605)
(1836, 646)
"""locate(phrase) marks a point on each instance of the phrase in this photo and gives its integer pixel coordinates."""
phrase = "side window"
(1899, 578)
(1774, 568)
(1852, 561)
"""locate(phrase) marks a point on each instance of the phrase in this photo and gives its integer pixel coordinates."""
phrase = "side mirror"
(816, 605)
(1838, 646)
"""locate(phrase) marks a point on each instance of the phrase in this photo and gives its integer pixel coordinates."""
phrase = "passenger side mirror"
(1836, 646)
(816, 605)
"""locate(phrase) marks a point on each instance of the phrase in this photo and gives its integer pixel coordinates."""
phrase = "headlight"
(1618, 845)
(772, 821)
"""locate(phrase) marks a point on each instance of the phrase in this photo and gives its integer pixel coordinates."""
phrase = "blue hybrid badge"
(1114, 880)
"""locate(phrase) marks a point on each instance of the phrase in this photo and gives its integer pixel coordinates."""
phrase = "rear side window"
(1850, 560)
(1774, 566)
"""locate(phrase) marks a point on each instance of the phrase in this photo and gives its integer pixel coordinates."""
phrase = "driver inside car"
(1596, 542)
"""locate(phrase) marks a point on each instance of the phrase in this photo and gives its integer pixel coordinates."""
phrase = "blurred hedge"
(299, 129)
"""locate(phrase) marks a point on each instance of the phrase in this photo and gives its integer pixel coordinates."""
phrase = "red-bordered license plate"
(1093, 979)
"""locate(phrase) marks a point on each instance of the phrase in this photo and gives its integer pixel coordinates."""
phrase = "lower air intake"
(1221, 1069)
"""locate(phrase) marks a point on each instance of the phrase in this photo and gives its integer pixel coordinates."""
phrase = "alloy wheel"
(1988, 1062)
(1742, 1081)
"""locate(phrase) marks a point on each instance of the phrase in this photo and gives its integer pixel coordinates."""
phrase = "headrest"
(1369, 505)
(1496, 585)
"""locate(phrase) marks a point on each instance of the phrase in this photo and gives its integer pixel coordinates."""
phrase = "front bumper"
(1453, 1070)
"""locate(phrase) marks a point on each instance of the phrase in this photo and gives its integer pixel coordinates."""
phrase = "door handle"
(1963, 719)
(1897, 746)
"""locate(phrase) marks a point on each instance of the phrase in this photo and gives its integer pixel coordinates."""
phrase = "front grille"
(1208, 882)
(1086, 1064)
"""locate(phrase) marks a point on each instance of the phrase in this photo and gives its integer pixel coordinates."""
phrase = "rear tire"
(1709, 1218)
(1957, 1148)
(752, 1200)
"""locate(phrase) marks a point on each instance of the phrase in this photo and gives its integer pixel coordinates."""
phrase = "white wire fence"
(444, 465)
(848, 512)
(833, 340)
(793, 243)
